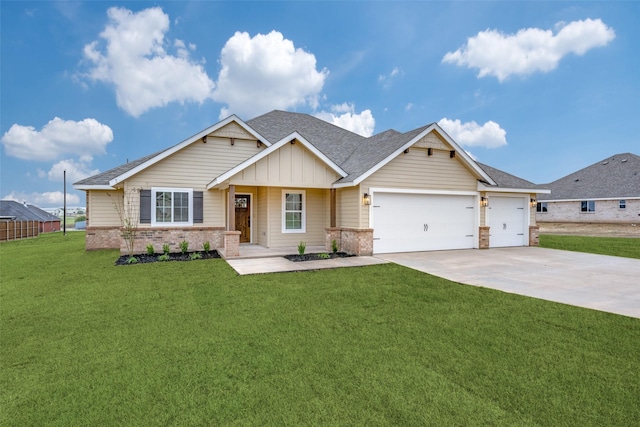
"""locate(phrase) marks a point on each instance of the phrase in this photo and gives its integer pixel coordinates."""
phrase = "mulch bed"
(315, 257)
(144, 258)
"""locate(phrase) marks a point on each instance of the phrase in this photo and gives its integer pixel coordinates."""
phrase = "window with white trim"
(293, 211)
(587, 206)
(622, 204)
(171, 206)
(541, 207)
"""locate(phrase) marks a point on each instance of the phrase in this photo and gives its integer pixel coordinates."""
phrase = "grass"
(191, 343)
(618, 246)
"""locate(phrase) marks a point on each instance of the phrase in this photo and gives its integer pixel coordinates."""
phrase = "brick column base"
(231, 244)
(484, 237)
(354, 241)
(534, 235)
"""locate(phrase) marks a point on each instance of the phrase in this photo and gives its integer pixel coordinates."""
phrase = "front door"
(243, 217)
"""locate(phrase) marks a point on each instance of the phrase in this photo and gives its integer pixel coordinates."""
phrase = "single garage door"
(422, 222)
(506, 220)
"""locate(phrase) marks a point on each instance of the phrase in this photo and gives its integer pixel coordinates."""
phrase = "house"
(11, 210)
(284, 178)
(607, 192)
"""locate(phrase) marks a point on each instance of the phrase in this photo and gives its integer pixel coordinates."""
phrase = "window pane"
(181, 207)
(293, 221)
(163, 206)
(293, 202)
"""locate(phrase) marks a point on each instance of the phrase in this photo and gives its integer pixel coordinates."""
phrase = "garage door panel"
(507, 221)
(420, 222)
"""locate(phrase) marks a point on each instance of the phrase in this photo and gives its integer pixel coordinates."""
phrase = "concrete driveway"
(599, 282)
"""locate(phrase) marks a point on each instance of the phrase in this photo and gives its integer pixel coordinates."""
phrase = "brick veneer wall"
(353, 241)
(157, 236)
(534, 235)
(483, 237)
(102, 238)
(607, 211)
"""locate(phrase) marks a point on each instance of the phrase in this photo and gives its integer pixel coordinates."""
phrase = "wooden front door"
(243, 217)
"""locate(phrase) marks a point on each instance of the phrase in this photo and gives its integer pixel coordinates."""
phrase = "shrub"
(132, 260)
(150, 250)
(301, 248)
(324, 256)
(163, 257)
(166, 249)
(195, 255)
(184, 246)
(334, 246)
(81, 218)
(206, 246)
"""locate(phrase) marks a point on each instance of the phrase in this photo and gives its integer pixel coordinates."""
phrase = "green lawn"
(191, 343)
(628, 247)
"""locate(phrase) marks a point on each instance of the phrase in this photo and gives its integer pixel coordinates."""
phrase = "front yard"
(191, 343)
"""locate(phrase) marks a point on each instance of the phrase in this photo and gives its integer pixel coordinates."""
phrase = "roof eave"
(92, 187)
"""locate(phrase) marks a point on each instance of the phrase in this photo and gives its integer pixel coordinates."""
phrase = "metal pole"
(64, 209)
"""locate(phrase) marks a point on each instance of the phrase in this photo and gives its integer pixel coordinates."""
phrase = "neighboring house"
(14, 211)
(284, 178)
(607, 191)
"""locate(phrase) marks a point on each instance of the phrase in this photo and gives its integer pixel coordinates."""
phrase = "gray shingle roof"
(506, 180)
(615, 177)
(22, 212)
(353, 153)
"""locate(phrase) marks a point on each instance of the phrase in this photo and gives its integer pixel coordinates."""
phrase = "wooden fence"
(14, 230)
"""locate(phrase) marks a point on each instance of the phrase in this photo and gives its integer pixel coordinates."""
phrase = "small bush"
(132, 260)
(195, 255)
(80, 218)
(163, 257)
(301, 248)
(324, 256)
(334, 246)
(166, 249)
(150, 250)
(206, 246)
(184, 246)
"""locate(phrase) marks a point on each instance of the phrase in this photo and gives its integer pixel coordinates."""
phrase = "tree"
(129, 214)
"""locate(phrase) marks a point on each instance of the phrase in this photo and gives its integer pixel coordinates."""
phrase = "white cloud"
(386, 80)
(471, 134)
(76, 170)
(136, 63)
(344, 116)
(408, 107)
(529, 50)
(43, 200)
(266, 72)
(85, 138)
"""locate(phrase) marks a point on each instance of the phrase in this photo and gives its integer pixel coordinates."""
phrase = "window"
(171, 206)
(622, 204)
(541, 207)
(587, 206)
(293, 211)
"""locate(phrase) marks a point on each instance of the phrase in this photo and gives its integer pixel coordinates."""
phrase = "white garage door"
(422, 222)
(506, 218)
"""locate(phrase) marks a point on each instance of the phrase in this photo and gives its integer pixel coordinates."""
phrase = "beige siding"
(101, 207)
(292, 165)
(432, 140)
(194, 167)
(317, 219)
(262, 216)
(232, 130)
(349, 207)
(417, 170)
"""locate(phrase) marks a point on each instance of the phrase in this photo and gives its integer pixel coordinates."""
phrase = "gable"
(232, 130)
(290, 165)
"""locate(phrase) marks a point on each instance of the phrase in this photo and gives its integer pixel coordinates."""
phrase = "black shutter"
(145, 206)
(197, 207)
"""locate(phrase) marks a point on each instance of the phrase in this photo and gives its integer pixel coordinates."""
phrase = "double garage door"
(407, 222)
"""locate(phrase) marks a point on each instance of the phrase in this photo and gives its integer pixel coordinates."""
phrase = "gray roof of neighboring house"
(506, 180)
(615, 177)
(354, 153)
(23, 212)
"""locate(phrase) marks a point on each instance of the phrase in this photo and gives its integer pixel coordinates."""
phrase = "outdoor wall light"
(484, 202)
(366, 199)
(533, 203)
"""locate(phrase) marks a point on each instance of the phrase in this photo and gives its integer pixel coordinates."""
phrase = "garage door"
(421, 222)
(506, 218)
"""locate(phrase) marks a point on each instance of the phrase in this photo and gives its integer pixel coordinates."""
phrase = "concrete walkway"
(279, 264)
(599, 282)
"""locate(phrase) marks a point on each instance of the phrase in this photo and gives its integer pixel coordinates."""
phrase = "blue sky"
(538, 89)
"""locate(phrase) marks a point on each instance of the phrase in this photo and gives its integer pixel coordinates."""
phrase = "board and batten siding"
(349, 207)
(262, 216)
(194, 167)
(101, 207)
(317, 218)
(293, 165)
